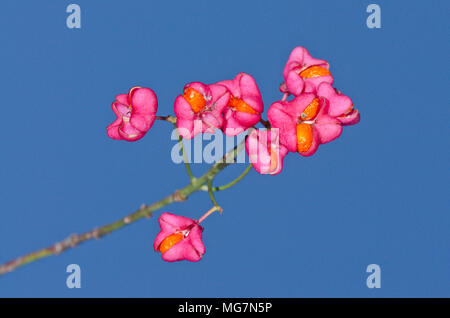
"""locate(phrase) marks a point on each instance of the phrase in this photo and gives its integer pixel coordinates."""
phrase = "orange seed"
(195, 99)
(311, 110)
(314, 71)
(240, 105)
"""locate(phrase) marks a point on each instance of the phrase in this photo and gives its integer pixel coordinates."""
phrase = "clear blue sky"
(378, 194)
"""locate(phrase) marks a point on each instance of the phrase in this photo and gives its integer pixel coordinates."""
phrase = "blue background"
(378, 194)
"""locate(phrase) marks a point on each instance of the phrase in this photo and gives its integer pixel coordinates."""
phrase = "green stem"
(232, 183)
(185, 158)
(144, 211)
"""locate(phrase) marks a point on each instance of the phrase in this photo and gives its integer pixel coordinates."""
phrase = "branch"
(144, 211)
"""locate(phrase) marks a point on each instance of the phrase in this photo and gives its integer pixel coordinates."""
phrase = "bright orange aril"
(241, 106)
(195, 99)
(170, 241)
(304, 137)
(273, 160)
(311, 110)
(314, 71)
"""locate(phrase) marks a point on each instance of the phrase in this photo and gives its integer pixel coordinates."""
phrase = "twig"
(211, 194)
(185, 158)
(228, 185)
(170, 119)
(144, 211)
